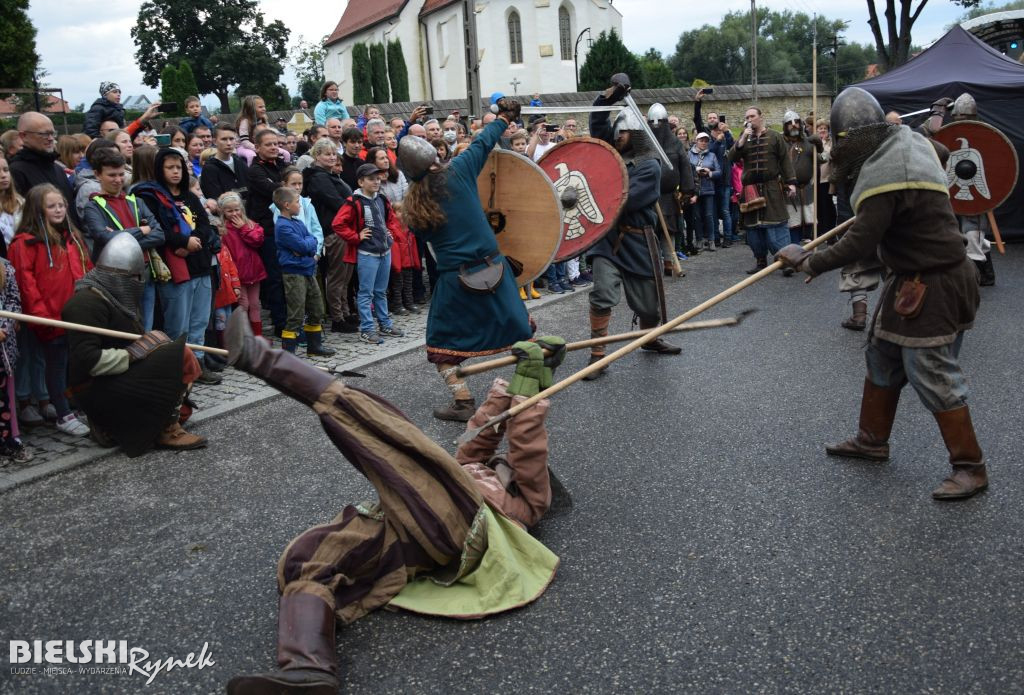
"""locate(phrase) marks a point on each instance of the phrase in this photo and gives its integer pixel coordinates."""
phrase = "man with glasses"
(36, 162)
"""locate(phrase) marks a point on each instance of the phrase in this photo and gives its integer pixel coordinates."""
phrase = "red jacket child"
(46, 275)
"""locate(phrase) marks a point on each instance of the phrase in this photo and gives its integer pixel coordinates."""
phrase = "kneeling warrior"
(132, 392)
(444, 532)
(899, 195)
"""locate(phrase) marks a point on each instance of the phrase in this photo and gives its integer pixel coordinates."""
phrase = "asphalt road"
(713, 546)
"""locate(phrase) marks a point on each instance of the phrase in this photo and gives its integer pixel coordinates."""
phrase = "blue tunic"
(463, 323)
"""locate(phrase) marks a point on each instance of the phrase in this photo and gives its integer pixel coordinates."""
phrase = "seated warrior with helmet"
(903, 213)
(446, 534)
(131, 391)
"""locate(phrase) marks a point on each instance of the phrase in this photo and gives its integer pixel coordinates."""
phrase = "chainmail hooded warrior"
(858, 128)
(118, 274)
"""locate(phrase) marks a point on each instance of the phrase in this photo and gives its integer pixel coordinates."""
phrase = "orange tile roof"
(431, 5)
(361, 14)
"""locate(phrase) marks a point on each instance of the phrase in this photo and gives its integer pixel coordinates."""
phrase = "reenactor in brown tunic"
(900, 198)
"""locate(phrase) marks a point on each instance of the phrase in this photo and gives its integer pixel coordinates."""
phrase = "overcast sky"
(84, 42)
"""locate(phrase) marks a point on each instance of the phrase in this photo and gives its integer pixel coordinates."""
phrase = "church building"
(525, 46)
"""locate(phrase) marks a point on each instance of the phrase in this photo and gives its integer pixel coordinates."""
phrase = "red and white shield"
(593, 184)
(982, 168)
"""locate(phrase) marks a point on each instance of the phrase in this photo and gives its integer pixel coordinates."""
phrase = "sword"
(630, 104)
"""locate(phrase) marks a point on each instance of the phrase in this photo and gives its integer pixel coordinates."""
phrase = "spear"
(487, 366)
(471, 432)
(109, 333)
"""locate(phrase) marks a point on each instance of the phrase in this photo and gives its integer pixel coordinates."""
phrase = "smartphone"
(428, 110)
(168, 107)
(721, 117)
(708, 90)
(163, 140)
(551, 127)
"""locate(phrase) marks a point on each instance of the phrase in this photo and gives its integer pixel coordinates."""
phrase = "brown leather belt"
(628, 229)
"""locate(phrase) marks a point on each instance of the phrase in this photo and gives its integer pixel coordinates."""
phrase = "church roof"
(361, 14)
(431, 5)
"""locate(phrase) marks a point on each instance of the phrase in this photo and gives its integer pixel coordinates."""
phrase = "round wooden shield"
(592, 184)
(982, 167)
(523, 209)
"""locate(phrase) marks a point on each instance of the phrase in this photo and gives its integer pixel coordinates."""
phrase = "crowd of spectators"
(203, 198)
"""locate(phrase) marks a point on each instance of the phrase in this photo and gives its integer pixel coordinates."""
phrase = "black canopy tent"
(960, 62)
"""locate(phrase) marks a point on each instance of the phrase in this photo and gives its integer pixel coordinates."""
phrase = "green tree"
(307, 60)
(656, 72)
(227, 43)
(379, 74)
(17, 45)
(607, 56)
(721, 55)
(362, 89)
(187, 86)
(980, 10)
(398, 72)
(169, 90)
(894, 46)
(310, 91)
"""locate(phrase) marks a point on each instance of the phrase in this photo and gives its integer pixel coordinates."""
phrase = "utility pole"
(753, 49)
(814, 109)
(472, 56)
(836, 43)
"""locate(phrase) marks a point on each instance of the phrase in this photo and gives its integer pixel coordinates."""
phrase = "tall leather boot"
(279, 368)
(969, 476)
(305, 652)
(759, 265)
(658, 345)
(859, 319)
(877, 413)
(463, 406)
(599, 320)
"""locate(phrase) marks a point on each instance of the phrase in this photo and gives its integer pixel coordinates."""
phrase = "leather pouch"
(752, 199)
(482, 281)
(910, 297)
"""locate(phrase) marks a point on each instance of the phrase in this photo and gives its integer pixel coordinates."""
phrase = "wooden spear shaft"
(487, 366)
(471, 433)
(53, 323)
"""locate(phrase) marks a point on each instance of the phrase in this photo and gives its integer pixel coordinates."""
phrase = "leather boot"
(658, 345)
(759, 265)
(599, 320)
(279, 368)
(459, 410)
(315, 344)
(174, 437)
(289, 344)
(877, 413)
(305, 652)
(859, 319)
(969, 476)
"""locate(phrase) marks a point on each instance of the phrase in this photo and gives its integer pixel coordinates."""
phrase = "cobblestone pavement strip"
(56, 451)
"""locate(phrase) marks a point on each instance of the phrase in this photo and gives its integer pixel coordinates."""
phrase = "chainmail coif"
(850, 152)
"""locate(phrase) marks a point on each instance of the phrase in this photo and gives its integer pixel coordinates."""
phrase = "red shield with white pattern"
(592, 185)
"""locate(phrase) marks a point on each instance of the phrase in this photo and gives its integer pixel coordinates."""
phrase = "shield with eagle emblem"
(592, 185)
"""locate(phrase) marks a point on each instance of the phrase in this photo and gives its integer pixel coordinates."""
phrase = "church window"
(515, 38)
(565, 32)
